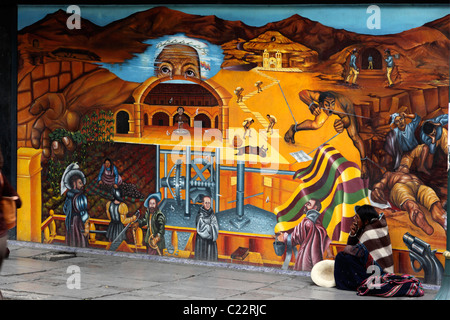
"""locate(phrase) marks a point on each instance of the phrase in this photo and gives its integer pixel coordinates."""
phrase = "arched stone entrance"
(206, 121)
(220, 94)
(160, 119)
(272, 62)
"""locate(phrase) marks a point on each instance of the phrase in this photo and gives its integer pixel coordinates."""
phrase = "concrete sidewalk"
(51, 272)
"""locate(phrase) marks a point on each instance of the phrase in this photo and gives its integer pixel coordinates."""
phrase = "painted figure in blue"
(354, 71)
(370, 60)
(405, 132)
(401, 143)
(433, 133)
(435, 136)
(109, 175)
(109, 180)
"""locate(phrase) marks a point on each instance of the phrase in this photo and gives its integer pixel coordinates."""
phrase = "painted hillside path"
(258, 116)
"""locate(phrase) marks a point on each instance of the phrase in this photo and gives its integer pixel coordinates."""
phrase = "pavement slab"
(47, 272)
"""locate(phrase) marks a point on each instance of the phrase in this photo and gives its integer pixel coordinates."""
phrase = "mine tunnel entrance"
(376, 57)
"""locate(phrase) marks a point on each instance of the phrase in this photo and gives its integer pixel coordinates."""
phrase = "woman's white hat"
(322, 274)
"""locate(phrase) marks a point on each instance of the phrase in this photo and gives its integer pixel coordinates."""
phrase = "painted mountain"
(425, 50)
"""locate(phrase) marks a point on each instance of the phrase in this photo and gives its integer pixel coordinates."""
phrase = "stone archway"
(272, 62)
(206, 121)
(160, 119)
(220, 93)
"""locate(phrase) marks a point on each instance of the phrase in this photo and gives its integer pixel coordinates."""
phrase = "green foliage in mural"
(96, 130)
(99, 126)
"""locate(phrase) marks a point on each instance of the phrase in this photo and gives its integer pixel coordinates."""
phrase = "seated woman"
(368, 244)
(110, 179)
(109, 175)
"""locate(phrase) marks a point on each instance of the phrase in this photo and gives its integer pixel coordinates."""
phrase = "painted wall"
(240, 134)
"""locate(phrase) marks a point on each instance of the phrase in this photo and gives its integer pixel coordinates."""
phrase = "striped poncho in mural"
(336, 183)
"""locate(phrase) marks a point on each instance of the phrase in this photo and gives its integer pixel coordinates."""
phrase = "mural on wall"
(187, 135)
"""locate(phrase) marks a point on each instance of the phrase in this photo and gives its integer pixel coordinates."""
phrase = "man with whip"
(323, 104)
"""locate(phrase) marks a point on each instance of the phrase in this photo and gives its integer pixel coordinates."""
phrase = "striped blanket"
(377, 241)
(391, 285)
(336, 183)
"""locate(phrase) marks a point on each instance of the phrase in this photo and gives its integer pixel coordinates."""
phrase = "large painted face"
(177, 60)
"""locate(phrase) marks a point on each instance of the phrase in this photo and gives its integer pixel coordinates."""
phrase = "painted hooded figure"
(207, 232)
